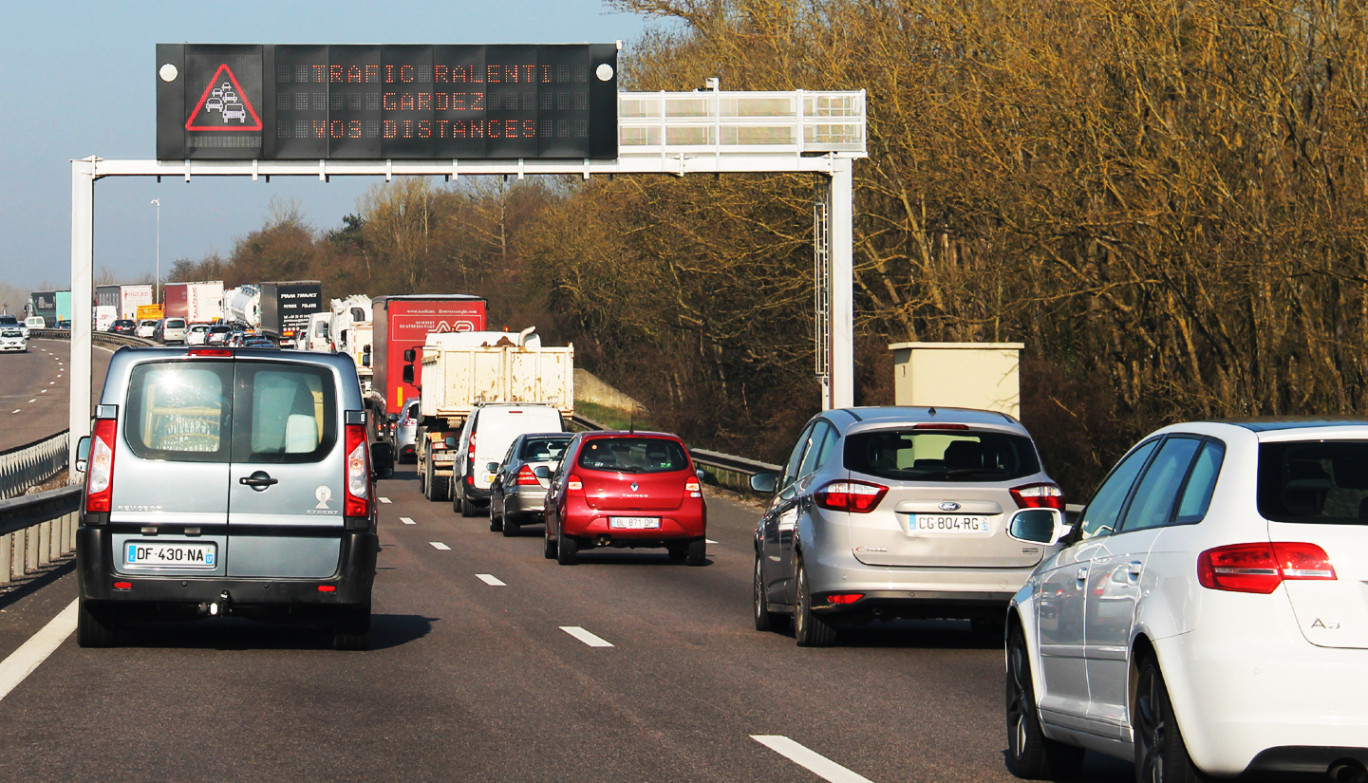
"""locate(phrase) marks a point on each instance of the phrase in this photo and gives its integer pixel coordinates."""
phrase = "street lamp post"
(156, 281)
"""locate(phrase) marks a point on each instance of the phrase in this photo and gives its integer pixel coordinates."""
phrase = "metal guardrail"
(723, 470)
(36, 530)
(24, 466)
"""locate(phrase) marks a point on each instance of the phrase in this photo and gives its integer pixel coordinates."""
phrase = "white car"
(146, 328)
(12, 339)
(197, 334)
(1208, 615)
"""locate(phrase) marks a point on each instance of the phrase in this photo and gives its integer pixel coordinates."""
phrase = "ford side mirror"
(1038, 526)
(764, 483)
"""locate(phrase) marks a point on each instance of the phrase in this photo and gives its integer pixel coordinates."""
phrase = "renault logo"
(635, 487)
(949, 505)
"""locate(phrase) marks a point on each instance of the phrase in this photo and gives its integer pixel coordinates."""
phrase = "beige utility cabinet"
(962, 375)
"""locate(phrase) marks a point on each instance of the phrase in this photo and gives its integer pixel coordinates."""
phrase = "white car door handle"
(1134, 569)
(1082, 575)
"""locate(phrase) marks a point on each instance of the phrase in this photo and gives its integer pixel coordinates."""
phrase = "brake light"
(929, 425)
(573, 483)
(526, 478)
(855, 496)
(844, 598)
(100, 467)
(209, 352)
(1039, 496)
(691, 485)
(358, 473)
(1261, 567)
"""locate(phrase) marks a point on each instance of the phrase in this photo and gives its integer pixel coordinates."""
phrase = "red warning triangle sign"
(223, 106)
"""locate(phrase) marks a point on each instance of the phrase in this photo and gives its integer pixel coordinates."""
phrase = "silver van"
(228, 481)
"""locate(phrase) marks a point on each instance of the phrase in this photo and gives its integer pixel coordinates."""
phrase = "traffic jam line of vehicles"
(1217, 564)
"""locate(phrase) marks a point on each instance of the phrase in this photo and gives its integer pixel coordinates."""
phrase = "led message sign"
(379, 102)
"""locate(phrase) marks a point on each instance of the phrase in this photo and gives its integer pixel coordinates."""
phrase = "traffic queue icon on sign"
(223, 106)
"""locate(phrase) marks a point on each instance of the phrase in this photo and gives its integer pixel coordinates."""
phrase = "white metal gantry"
(681, 133)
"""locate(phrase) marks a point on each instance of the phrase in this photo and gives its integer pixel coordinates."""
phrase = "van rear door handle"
(259, 480)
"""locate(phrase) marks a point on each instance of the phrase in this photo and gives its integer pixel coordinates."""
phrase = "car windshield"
(1315, 482)
(633, 455)
(8, 320)
(11, 333)
(940, 455)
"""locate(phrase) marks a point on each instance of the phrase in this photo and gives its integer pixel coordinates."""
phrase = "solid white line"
(491, 580)
(385, 500)
(439, 546)
(585, 636)
(816, 763)
(407, 521)
(24, 660)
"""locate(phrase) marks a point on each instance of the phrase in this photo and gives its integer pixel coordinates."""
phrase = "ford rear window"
(1317, 482)
(633, 455)
(934, 455)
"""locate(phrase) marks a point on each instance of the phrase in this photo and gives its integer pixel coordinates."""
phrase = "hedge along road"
(35, 390)
(490, 662)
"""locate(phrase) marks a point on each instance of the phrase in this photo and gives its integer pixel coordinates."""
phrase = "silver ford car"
(228, 481)
(892, 512)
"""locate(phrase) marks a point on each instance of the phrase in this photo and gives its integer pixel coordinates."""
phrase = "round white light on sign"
(168, 73)
(604, 72)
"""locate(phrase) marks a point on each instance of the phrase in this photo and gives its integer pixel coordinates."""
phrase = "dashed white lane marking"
(35, 399)
(491, 580)
(16, 410)
(44, 391)
(439, 546)
(585, 636)
(709, 541)
(407, 521)
(30, 654)
(816, 763)
(385, 501)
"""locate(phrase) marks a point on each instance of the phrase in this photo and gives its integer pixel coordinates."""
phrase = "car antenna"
(631, 422)
(931, 411)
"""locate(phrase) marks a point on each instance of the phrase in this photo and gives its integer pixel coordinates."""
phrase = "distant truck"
(464, 368)
(401, 323)
(43, 304)
(280, 310)
(124, 298)
(330, 329)
(195, 302)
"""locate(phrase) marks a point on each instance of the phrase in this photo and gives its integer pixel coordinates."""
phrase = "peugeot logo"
(949, 505)
(635, 487)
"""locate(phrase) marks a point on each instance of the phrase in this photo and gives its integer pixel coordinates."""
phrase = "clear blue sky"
(78, 79)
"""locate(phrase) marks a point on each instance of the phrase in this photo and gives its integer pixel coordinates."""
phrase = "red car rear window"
(632, 454)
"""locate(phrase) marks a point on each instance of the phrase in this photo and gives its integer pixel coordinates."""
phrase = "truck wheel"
(439, 485)
(422, 481)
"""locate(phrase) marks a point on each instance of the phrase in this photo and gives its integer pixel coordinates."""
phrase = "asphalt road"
(35, 390)
(473, 678)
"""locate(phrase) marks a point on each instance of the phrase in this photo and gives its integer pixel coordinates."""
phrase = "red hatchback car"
(626, 489)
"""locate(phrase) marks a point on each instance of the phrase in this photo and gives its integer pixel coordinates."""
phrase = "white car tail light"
(1260, 567)
(358, 472)
(100, 471)
(855, 496)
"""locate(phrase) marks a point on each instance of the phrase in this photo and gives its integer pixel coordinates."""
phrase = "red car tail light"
(574, 484)
(100, 468)
(526, 478)
(357, 479)
(1261, 567)
(1041, 495)
(855, 496)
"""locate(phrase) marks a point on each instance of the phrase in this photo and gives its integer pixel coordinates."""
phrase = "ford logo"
(949, 505)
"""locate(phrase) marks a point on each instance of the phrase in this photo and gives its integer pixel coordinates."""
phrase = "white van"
(485, 438)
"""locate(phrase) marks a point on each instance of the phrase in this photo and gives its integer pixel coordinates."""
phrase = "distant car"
(13, 339)
(35, 322)
(626, 489)
(146, 328)
(169, 331)
(218, 334)
(63, 324)
(9, 320)
(197, 334)
(258, 341)
(124, 326)
(1207, 615)
(406, 433)
(889, 512)
(518, 494)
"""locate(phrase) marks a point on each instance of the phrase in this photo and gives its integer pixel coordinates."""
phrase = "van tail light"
(855, 496)
(1261, 567)
(526, 478)
(358, 473)
(574, 484)
(470, 461)
(100, 468)
(1044, 495)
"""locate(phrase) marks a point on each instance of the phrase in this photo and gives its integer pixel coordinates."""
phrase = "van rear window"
(180, 412)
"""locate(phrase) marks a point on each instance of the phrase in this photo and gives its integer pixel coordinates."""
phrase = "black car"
(124, 326)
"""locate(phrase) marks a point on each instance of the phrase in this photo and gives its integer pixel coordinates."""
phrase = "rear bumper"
(349, 586)
(672, 528)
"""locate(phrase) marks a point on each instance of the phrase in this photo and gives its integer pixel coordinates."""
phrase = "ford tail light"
(358, 473)
(100, 468)
(1043, 495)
(858, 497)
(1260, 567)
